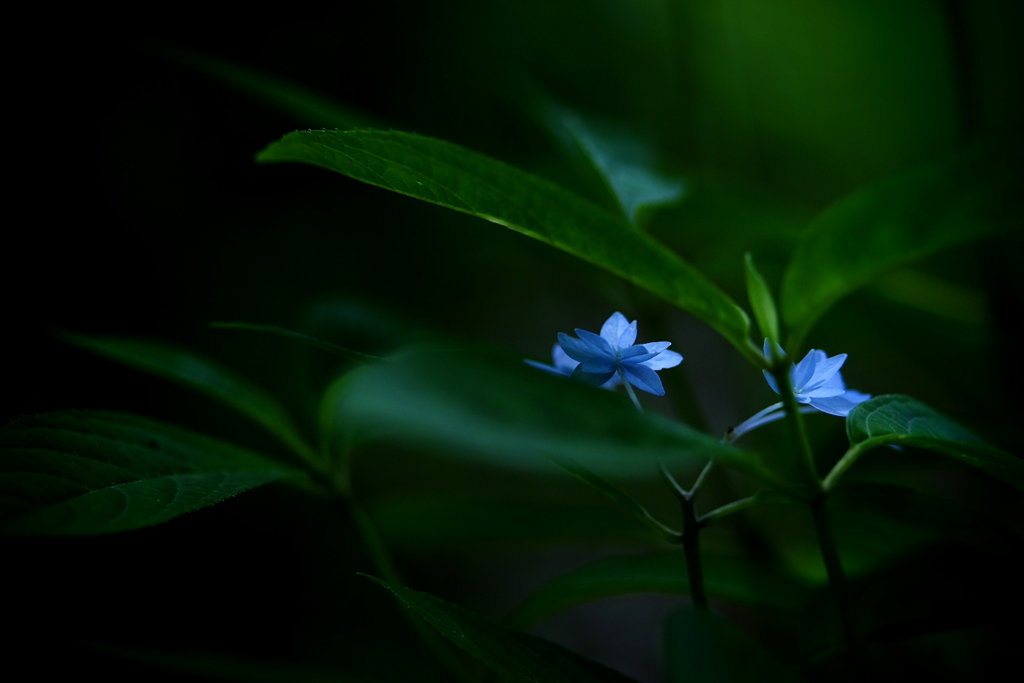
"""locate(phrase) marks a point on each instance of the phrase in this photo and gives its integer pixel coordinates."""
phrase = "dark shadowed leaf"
(84, 472)
(897, 221)
(513, 654)
(709, 648)
(200, 373)
(904, 421)
(451, 176)
(728, 579)
(494, 408)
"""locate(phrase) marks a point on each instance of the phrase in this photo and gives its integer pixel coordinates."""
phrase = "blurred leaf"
(429, 522)
(761, 301)
(625, 164)
(899, 220)
(454, 177)
(727, 579)
(345, 353)
(80, 473)
(515, 655)
(202, 374)
(303, 106)
(904, 421)
(494, 408)
(619, 497)
(706, 647)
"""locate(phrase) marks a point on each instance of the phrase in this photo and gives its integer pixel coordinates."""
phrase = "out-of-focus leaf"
(200, 373)
(727, 579)
(428, 523)
(625, 164)
(761, 301)
(904, 421)
(897, 221)
(348, 354)
(494, 408)
(451, 176)
(515, 655)
(81, 473)
(304, 106)
(706, 647)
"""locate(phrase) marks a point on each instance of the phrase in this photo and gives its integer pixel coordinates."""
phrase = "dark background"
(137, 209)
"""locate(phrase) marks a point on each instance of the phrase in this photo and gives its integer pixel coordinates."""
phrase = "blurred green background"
(147, 216)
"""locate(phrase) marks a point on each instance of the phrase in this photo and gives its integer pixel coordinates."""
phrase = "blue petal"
(599, 366)
(598, 344)
(665, 359)
(642, 377)
(636, 354)
(840, 406)
(618, 331)
(771, 382)
(824, 370)
(834, 386)
(591, 378)
(562, 361)
(542, 366)
(575, 348)
(779, 353)
(801, 374)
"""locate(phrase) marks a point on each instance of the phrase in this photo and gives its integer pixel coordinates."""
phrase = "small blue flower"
(816, 382)
(612, 353)
(563, 365)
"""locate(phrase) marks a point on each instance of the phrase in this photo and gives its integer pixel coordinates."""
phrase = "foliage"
(364, 481)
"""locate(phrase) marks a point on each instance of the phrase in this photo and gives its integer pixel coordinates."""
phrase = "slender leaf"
(451, 176)
(727, 579)
(492, 408)
(761, 301)
(80, 473)
(516, 655)
(894, 419)
(200, 373)
(900, 220)
(706, 647)
(304, 106)
(625, 164)
(348, 354)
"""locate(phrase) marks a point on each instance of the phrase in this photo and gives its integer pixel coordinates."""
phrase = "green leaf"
(728, 579)
(904, 421)
(202, 374)
(490, 407)
(619, 497)
(451, 176)
(706, 647)
(513, 654)
(897, 221)
(305, 107)
(83, 472)
(761, 301)
(625, 164)
(341, 351)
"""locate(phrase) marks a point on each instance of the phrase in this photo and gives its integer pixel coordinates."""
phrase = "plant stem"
(838, 584)
(793, 414)
(691, 534)
(629, 390)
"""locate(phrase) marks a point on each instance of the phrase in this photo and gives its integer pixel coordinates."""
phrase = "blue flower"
(563, 365)
(613, 353)
(816, 382)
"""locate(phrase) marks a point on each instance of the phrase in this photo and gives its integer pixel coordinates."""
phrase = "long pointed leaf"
(200, 373)
(81, 472)
(448, 175)
(516, 655)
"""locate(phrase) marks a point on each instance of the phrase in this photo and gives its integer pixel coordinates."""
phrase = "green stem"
(796, 421)
(691, 535)
(629, 390)
(838, 584)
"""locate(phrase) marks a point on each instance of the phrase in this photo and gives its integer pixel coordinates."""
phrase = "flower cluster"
(612, 357)
(816, 382)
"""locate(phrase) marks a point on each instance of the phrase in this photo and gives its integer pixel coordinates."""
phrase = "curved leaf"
(728, 579)
(200, 373)
(707, 647)
(515, 655)
(899, 420)
(451, 176)
(83, 472)
(897, 221)
(492, 408)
